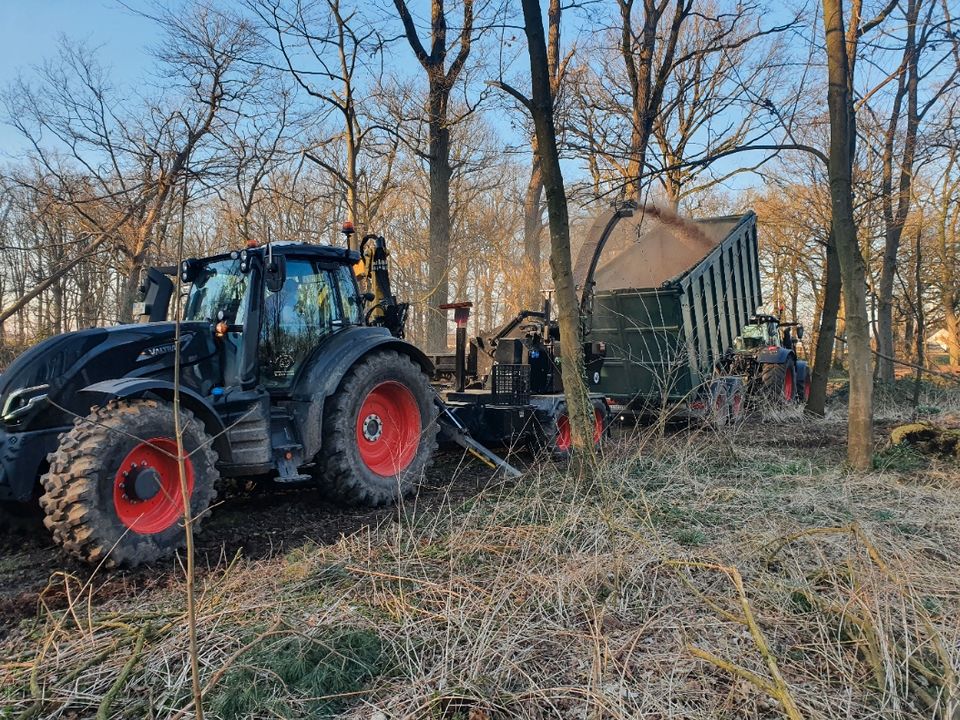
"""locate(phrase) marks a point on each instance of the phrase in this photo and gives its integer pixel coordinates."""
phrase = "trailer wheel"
(779, 381)
(738, 397)
(804, 377)
(718, 414)
(555, 436)
(113, 489)
(379, 430)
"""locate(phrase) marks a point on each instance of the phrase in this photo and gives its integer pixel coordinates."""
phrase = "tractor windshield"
(219, 286)
(752, 336)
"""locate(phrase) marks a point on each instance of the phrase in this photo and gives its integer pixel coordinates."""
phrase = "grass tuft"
(314, 675)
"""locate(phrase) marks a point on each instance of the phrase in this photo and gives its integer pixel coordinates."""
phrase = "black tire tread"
(340, 474)
(772, 378)
(69, 501)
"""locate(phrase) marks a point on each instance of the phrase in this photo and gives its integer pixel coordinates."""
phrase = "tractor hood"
(60, 367)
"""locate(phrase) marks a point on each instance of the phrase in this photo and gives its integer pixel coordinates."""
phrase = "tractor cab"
(767, 332)
(268, 308)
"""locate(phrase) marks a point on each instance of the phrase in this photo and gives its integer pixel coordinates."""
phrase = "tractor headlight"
(22, 401)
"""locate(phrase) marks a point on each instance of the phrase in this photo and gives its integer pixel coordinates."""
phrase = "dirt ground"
(496, 595)
(259, 521)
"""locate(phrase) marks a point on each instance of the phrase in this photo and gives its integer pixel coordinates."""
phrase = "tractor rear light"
(772, 347)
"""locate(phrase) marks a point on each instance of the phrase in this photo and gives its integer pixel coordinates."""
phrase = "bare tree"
(115, 170)
(841, 53)
(541, 109)
(326, 49)
(441, 79)
(924, 37)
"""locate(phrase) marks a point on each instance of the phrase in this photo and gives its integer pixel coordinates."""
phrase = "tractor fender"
(130, 388)
(775, 356)
(324, 371)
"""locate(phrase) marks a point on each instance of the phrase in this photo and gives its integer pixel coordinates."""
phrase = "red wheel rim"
(388, 429)
(146, 488)
(720, 404)
(806, 390)
(563, 430)
(788, 386)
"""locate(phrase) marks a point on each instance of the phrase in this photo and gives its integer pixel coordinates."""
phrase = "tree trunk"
(532, 227)
(827, 332)
(895, 214)
(952, 323)
(439, 242)
(853, 272)
(568, 308)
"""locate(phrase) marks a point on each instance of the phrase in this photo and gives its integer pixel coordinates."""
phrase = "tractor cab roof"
(322, 252)
(330, 253)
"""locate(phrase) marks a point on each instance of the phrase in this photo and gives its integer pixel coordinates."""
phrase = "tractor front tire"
(379, 431)
(780, 382)
(113, 490)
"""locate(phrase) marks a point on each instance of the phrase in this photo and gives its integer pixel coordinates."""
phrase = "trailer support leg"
(460, 435)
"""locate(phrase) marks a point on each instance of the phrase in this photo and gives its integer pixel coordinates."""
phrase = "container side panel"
(710, 311)
(690, 334)
(754, 255)
(729, 297)
(646, 347)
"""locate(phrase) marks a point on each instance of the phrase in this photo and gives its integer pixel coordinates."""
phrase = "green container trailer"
(668, 297)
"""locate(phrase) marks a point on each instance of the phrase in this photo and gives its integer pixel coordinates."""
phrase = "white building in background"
(938, 339)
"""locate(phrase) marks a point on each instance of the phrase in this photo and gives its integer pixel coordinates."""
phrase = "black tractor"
(287, 371)
(765, 353)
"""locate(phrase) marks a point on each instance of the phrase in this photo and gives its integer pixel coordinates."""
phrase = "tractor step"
(288, 460)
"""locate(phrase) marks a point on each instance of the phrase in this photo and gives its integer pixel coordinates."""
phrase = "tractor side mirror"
(276, 273)
(799, 332)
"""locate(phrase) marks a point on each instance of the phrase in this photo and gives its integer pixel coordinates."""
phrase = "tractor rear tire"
(780, 382)
(113, 490)
(379, 431)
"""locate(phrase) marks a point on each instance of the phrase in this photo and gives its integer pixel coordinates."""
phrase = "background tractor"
(765, 353)
(287, 371)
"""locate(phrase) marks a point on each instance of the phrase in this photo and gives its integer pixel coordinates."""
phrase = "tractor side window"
(772, 338)
(296, 319)
(351, 305)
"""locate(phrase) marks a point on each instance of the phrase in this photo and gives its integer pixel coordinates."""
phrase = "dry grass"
(698, 576)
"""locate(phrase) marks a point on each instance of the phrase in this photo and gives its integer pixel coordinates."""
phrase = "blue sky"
(30, 29)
